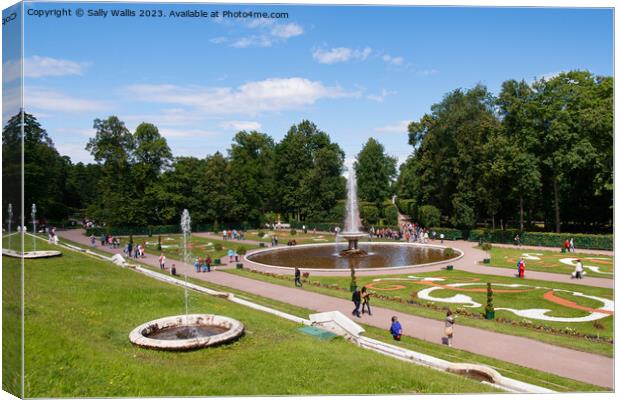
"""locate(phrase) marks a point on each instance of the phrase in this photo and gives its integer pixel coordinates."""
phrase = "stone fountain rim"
(31, 254)
(251, 253)
(235, 329)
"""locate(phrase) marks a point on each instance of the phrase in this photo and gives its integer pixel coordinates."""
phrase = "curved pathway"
(573, 364)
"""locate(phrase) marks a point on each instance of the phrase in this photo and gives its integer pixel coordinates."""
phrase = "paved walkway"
(565, 362)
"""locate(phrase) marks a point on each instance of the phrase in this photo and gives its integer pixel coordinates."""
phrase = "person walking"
(365, 300)
(449, 328)
(579, 270)
(521, 268)
(357, 300)
(208, 261)
(518, 240)
(566, 246)
(162, 261)
(571, 245)
(297, 277)
(93, 241)
(396, 330)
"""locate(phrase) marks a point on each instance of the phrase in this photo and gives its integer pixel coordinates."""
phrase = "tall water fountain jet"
(33, 214)
(186, 228)
(10, 212)
(352, 232)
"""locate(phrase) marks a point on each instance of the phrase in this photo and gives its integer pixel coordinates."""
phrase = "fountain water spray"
(10, 213)
(186, 229)
(352, 232)
(33, 214)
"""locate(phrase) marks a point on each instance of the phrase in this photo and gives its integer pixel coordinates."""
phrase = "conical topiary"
(489, 309)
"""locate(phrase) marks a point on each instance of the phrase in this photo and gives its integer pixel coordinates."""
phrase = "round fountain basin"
(189, 332)
(327, 256)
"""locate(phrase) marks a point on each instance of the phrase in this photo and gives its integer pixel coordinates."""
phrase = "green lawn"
(549, 261)
(433, 309)
(172, 246)
(79, 312)
(11, 320)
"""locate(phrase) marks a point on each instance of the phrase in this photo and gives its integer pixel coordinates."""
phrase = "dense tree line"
(136, 181)
(539, 151)
(536, 152)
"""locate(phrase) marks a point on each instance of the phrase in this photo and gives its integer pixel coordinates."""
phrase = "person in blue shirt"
(396, 329)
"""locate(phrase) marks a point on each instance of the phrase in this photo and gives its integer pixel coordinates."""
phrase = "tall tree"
(302, 155)
(376, 172)
(252, 174)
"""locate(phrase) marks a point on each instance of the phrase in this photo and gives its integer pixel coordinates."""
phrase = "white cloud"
(74, 131)
(76, 151)
(267, 33)
(399, 127)
(218, 40)
(253, 41)
(273, 94)
(287, 30)
(340, 54)
(380, 98)
(241, 125)
(165, 117)
(393, 60)
(38, 67)
(186, 133)
(46, 99)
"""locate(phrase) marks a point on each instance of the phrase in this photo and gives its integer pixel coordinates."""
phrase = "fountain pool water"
(186, 332)
(357, 254)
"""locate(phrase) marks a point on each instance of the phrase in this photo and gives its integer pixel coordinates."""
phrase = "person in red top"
(566, 245)
(522, 268)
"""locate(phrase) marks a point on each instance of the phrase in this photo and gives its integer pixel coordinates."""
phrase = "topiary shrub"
(293, 232)
(486, 246)
(489, 309)
(241, 250)
(218, 246)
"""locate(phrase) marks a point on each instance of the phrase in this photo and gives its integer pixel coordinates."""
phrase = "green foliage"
(489, 307)
(293, 232)
(449, 252)
(407, 207)
(218, 246)
(241, 250)
(599, 242)
(260, 233)
(429, 216)
(390, 212)
(448, 233)
(375, 172)
(308, 169)
(486, 246)
(369, 214)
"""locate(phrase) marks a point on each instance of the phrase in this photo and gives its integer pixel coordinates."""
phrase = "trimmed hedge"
(549, 239)
(407, 207)
(319, 226)
(391, 214)
(449, 233)
(151, 230)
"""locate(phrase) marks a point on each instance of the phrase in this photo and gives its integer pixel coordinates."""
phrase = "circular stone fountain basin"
(31, 254)
(327, 256)
(189, 332)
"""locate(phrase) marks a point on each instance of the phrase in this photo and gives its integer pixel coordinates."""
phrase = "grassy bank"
(79, 311)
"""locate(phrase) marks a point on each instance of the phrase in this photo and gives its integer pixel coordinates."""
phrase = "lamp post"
(33, 214)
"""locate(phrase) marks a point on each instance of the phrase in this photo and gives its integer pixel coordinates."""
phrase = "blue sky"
(357, 72)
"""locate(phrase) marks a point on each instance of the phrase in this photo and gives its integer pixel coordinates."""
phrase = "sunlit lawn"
(549, 261)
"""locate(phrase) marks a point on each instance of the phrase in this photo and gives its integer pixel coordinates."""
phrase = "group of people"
(569, 245)
(233, 234)
(384, 233)
(203, 264)
(414, 233)
(361, 298)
